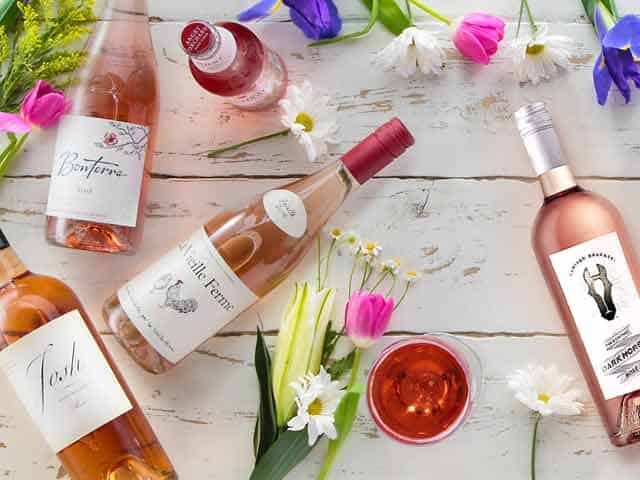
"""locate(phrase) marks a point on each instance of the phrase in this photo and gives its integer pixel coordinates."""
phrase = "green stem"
(532, 22)
(404, 294)
(319, 262)
(430, 11)
(355, 369)
(520, 15)
(365, 277)
(393, 286)
(214, 153)
(534, 442)
(380, 280)
(10, 152)
(409, 14)
(375, 10)
(356, 257)
(328, 261)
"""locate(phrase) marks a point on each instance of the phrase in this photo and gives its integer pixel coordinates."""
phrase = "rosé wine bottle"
(68, 383)
(239, 256)
(227, 59)
(104, 146)
(592, 272)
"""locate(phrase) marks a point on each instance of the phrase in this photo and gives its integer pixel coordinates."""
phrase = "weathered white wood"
(567, 10)
(462, 120)
(470, 237)
(204, 411)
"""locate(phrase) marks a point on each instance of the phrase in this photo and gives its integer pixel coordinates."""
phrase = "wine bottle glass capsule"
(104, 146)
(229, 60)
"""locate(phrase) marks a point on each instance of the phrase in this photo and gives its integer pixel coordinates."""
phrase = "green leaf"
(391, 16)
(288, 451)
(590, 5)
(345, 416)
(341, 366)
(266, 431)
(9, 14)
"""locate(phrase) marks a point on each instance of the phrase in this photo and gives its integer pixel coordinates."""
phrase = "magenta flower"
(478, 35)
(42, 107)
(367, 316)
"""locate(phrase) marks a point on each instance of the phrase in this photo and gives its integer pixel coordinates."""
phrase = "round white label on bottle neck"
(287, 211)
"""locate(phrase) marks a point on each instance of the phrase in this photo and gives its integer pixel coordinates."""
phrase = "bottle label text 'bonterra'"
(184, 298)
(604, 302)
(64, 381)
(97, 170)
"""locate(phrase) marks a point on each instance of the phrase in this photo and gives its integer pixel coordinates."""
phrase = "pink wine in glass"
(104, 146)
(227, 59)
(166, 311)
(421, 390)
(68, 383)
(587, 259)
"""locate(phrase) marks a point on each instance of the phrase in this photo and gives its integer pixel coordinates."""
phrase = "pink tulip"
(478, 35)
(42, 107)
(367, 317)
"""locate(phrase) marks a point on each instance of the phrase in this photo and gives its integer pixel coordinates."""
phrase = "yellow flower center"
(370, 246)
(315, 408)
(305, 120)
(336, 232)
(544, 398)
(535, 49)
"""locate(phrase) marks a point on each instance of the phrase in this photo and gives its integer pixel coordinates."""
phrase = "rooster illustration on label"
(172, 288)
(604, 302)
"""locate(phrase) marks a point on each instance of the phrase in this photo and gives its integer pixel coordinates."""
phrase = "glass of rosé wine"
(421, 389)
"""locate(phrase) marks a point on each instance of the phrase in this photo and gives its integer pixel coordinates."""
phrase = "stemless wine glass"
(422, 389)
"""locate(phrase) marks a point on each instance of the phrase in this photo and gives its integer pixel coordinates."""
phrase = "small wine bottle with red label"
(590, 267)
(229, 60)
(239, 256)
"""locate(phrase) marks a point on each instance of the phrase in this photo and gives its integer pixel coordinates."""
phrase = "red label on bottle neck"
(196, 38)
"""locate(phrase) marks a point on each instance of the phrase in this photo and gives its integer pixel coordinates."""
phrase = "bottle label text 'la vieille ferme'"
(64, 381)
(603, 299)
(185, 297)
(97, 171)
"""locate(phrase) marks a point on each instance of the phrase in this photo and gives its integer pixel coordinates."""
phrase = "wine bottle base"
(131, 339)
(90, 236)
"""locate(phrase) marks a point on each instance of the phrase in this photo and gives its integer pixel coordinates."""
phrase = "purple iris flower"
(318, 19)
(620, 51)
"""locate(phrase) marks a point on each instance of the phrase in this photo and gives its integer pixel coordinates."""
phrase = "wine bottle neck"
(557, 180)
(212, 48)
(10, 264)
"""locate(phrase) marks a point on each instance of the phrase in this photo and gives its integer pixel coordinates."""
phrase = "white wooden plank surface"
(464, 193)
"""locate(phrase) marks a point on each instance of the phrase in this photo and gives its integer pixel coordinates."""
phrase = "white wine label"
(185, 297)
(287, 211)
(97, 170)
(221, 58)
(64, 381)
(603, 299)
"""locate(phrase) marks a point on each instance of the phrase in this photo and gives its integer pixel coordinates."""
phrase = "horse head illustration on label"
(604, 302)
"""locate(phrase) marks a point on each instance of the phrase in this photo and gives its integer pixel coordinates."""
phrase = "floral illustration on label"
(605, 301)
(172, 287)
(126, 138)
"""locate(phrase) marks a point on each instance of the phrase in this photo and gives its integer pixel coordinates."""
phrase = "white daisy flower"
(391, 265)
(317, 399)
(335, 234)
(541, 56)
(352, 240)
(309, 118)
(412, 276)
(414, 49)
(370, 250)
(546, 391)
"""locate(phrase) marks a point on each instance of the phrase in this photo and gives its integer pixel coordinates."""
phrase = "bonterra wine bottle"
(229, 60)
(166, 311)
(592, 273)
(68, 383)
(104, 146)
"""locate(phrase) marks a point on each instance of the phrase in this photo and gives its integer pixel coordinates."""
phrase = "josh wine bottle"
(68, 383)
(592, 273)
